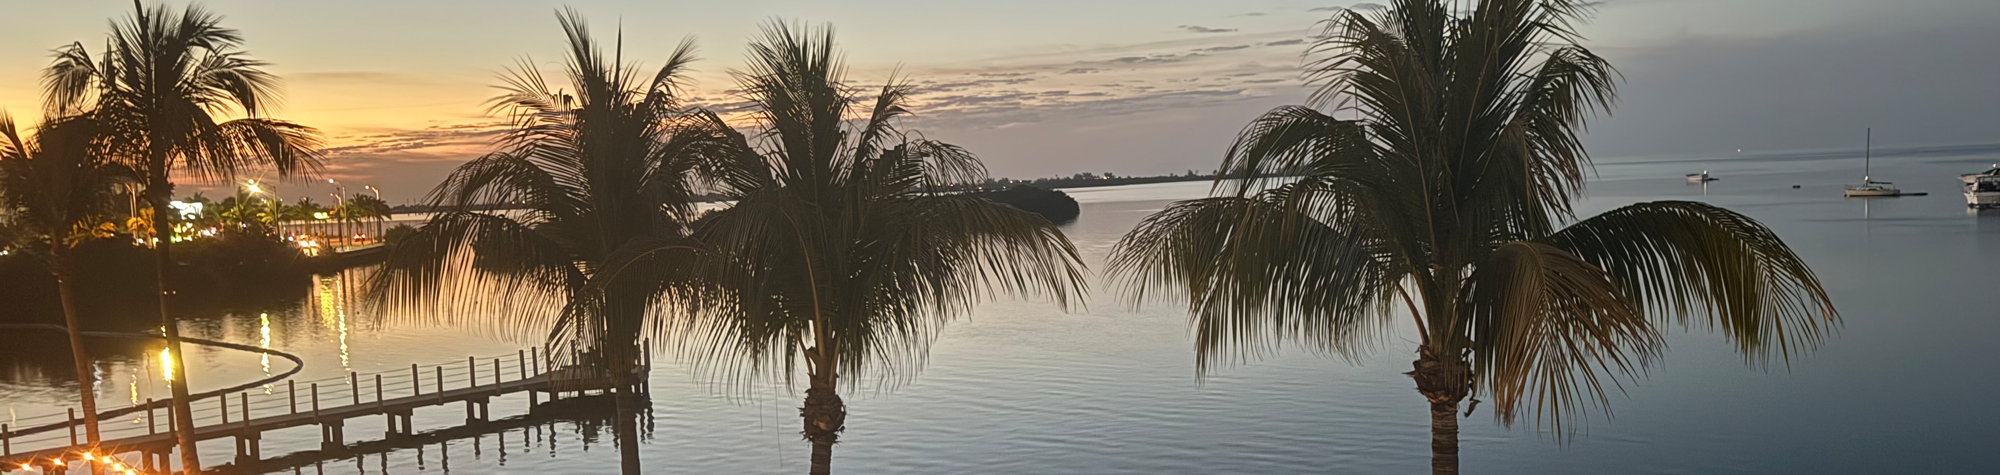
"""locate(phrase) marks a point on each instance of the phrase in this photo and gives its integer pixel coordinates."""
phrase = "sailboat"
(1869, 187)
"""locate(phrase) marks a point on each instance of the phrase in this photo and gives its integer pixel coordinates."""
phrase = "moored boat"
(1982, 190)
(1700, 177)
(1869, 188)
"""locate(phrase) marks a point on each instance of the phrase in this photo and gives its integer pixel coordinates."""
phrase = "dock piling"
(315, 391)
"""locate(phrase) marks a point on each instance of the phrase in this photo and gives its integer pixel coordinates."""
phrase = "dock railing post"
(354, 387)
(292, 388)
(416, 382)
(152, 426)
(245, 399)
(315, 391)
(378, 391)
(72, 426)
(496, 376)
(472, 371)
(225, 407)
(521, 356)
(440, 382)
(6, 441)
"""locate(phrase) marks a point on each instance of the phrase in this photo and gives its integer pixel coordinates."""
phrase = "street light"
(378, 191)
(339, 203)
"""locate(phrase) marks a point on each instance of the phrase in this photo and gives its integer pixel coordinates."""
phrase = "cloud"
(1204, 29)
(1328, 9)
(1214, 49)
(428, 138)
(1369, 6)
(1150, 59)
(1083, 70)
(1294, 41)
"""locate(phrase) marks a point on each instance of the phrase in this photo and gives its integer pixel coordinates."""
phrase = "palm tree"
(367, 207)
(1445, 193)
(846, 253)
(60, 185)
(605, 171)
(244, 210)
(165, 81)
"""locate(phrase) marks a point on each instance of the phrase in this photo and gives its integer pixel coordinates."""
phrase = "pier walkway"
(56, 441)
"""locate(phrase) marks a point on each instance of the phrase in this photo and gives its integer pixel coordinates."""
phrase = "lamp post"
(340, 215)
(378, 219)
(270, 194)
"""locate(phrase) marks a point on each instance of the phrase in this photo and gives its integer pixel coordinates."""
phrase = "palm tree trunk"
(627, 427)
(1444, 439)
(163, 264)
(822, 458)
(1444, 381)
(825, 416)
(625, 310)
(86, 380)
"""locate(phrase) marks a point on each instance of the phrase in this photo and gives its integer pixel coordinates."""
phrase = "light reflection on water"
(1022, 388)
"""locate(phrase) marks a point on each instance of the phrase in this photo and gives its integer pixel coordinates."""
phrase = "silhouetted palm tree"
(603, 169)
(161, 90)
(1445, 193)
(845, 253)
(60, 184)
(366, 207)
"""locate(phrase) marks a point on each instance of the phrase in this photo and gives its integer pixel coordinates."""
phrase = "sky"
(1050, 88)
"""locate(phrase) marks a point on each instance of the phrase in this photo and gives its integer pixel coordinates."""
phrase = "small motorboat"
(1700, 177)
(1982, 190)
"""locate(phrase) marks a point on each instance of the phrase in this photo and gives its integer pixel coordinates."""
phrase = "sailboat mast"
(1868, 157)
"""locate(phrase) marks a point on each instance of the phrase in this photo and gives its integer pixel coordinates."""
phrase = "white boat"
(1700, 177)
(1982, 190)
(1870, 188)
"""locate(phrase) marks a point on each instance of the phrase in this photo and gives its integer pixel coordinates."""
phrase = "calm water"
(1023, 388)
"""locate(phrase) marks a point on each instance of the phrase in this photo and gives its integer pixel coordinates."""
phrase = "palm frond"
(1550, 334)
(448, 270)
(1295, 265)
(1695, 263)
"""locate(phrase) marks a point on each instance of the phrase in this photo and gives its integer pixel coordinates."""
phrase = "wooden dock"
(329, 404)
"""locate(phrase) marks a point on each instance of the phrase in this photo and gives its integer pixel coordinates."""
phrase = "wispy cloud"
(1204, 29)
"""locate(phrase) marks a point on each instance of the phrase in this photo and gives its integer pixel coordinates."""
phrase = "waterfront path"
(329, 404)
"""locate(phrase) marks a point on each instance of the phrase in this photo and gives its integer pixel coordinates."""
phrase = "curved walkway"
(297, 365)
